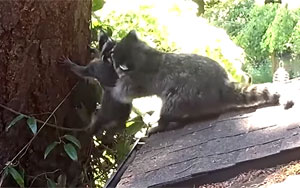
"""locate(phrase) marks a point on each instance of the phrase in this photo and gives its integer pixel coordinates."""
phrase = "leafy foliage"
(106, 158)
(16, 175)
(279, 31)
(260, 73)
(134, 125)
(71, 151)
(145, 24)
(261, 30)
(31, 122)
(74, 140)
(164, 25)
(49, 148)
(97, 4)
(232, 15)
(294, 40)
(68, 147)
(50, 183)
(14, 121)
(251, 36)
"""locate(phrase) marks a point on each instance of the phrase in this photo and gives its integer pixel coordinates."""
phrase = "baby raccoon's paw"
(64, 62)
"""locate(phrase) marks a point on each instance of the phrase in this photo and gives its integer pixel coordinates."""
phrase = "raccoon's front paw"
(64, 62)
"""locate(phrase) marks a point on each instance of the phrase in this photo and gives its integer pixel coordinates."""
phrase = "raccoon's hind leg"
(111, 117)
(101, 124)
(170, 122)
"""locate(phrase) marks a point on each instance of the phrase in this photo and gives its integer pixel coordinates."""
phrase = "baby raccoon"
(113, 114)
(192, 87)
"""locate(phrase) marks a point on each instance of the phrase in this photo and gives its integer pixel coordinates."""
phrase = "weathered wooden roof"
(215, 150)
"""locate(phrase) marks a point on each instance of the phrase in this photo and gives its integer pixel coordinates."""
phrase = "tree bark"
(33, 35)
(274, 60)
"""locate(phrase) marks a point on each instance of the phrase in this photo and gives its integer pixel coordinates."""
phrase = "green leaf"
(134, 127)
(4, 175)
(51, 183)
(135, 119)
(16, 175)
(5, 172)
(71, 151)
(49, 149)
(123, 148)
(14, 121)
(74, 140)
(97, 5)
(31, 122)
(22, 172)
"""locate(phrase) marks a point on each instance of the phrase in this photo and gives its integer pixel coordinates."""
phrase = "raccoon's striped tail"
(256, 95)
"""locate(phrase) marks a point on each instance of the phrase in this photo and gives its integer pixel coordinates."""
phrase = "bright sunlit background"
(177, 27)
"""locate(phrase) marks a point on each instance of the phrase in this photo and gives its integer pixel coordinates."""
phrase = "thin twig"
(39, 114)
(44, 173)
(30, 141)
(40, 121)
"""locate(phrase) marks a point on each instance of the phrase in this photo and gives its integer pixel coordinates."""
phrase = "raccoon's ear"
(132, 36)
(102, 39)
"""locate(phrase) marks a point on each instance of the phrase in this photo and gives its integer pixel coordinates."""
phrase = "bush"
(295, 39)
(232, 15)
(251, 36)
(172, 26)
(279, 31)
(260, 73)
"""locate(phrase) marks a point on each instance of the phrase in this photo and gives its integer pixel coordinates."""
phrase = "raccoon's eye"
(123, 67)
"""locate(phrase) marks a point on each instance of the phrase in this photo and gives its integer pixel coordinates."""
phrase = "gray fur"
(191, 87)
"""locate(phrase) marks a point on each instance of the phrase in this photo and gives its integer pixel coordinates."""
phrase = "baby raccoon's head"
(133, 55)
(106, 45)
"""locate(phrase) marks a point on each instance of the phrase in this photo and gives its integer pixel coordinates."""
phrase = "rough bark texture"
(33, 35)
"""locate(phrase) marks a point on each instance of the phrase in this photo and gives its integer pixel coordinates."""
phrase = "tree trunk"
(274, 60)
(33, 35)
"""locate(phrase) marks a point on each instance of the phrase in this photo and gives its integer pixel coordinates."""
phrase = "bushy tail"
(255, 95)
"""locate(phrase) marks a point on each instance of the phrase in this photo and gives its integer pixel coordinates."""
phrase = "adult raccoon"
(192, 87)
